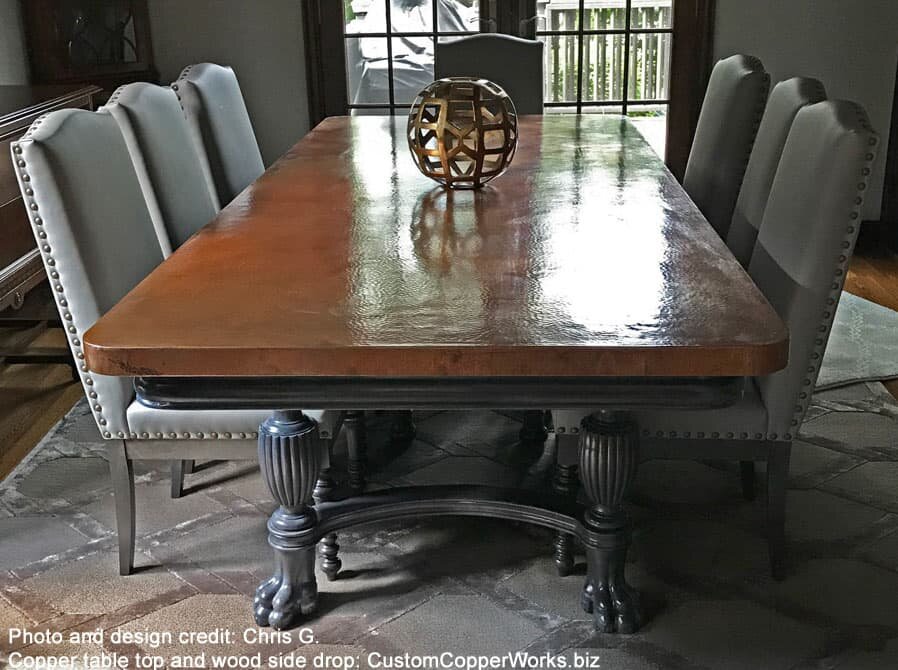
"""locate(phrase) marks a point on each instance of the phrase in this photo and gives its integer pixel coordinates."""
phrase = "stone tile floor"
(480, 586)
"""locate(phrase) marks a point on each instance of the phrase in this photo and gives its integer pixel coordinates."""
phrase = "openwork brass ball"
(462, 131)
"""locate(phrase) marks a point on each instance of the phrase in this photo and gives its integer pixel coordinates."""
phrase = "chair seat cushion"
(745, 419)
(148, 423)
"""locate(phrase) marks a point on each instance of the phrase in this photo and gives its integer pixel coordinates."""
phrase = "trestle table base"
(291, 458)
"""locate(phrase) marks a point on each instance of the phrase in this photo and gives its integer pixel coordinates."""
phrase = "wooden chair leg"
(747, 471)
(122, 475)
(777, 482)
(178, 470)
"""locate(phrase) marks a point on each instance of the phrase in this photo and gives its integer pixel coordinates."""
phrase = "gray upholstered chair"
(96, 239)
(513, 63)
(799, 262)
(729, 118)
(173, 177)
(168, 164)
(220, 125)
(786, 99)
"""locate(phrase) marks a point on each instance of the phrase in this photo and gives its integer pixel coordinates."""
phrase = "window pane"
(364, 16)
(557, 15)
(410, 16)
(651, 14)
(603, 67)
(649, 66)
(560, 54)
(412, 67)
(366, 70)
(455, 16)
(605, 15)
(651, 121)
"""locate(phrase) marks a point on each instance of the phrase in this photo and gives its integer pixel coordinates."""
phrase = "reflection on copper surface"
(444, 228)
(586, 257)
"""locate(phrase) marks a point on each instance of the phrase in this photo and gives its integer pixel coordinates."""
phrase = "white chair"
(729, 118)
(220, 125)
(786, 99)
(799, 262)
(515, 64)
(97, 240)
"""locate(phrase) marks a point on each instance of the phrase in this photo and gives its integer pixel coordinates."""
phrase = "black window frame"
(581, 33)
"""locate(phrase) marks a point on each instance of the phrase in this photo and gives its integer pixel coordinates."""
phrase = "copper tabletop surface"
(586, 258)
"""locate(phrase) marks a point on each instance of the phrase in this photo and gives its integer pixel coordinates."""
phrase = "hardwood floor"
(34, 397)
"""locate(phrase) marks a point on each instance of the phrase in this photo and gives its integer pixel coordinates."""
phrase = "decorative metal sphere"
(462, 131)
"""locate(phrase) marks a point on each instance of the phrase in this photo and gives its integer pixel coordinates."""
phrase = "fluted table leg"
(609, 455)
(290, 457)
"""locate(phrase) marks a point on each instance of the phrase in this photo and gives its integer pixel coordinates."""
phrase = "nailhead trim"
(804, 398)
(62, 301)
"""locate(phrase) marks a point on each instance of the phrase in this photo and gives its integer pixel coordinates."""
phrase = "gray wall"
(850, 45)
(13, 60)
(261, 39)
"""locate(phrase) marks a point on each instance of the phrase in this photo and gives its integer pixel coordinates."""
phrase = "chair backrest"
(167, 163)
(93, 230)
(726, 129)
(805, 243)
(786, 99)
(216, 114)
(515, 64)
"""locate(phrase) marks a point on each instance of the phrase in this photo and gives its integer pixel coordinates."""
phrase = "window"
(390, 46)
(609, 56)
(648, 59)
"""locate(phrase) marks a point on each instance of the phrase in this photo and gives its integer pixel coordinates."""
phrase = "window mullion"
(392, 93)
(580, 39)
(627, 20)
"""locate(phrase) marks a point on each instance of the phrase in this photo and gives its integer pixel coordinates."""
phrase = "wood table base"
(290, 457)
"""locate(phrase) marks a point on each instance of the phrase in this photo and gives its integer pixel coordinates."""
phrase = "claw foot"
(613, 603)
(280, 604)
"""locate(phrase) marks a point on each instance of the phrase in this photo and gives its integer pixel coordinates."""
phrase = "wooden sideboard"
(20, 264)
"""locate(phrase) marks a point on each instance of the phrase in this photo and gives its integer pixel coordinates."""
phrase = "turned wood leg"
(747, 473)
(122, 474)
(329, 551)
(609, 455)
(533, 431)
(402, 429)
(777, 481)
(357, 448)
(290, 457)
(325, 486)
(564, 483)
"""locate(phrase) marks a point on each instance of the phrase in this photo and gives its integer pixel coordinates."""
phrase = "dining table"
(582, 279)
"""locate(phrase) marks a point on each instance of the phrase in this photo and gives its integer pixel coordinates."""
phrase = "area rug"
(471, 589)
(863, 345)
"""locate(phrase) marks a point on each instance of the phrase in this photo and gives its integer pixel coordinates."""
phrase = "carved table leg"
(402, 430)
(609, 455)
(290, 457)
(357, 448)
(564, 483)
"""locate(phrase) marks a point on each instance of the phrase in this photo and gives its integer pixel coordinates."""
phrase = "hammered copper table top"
(586, 258)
